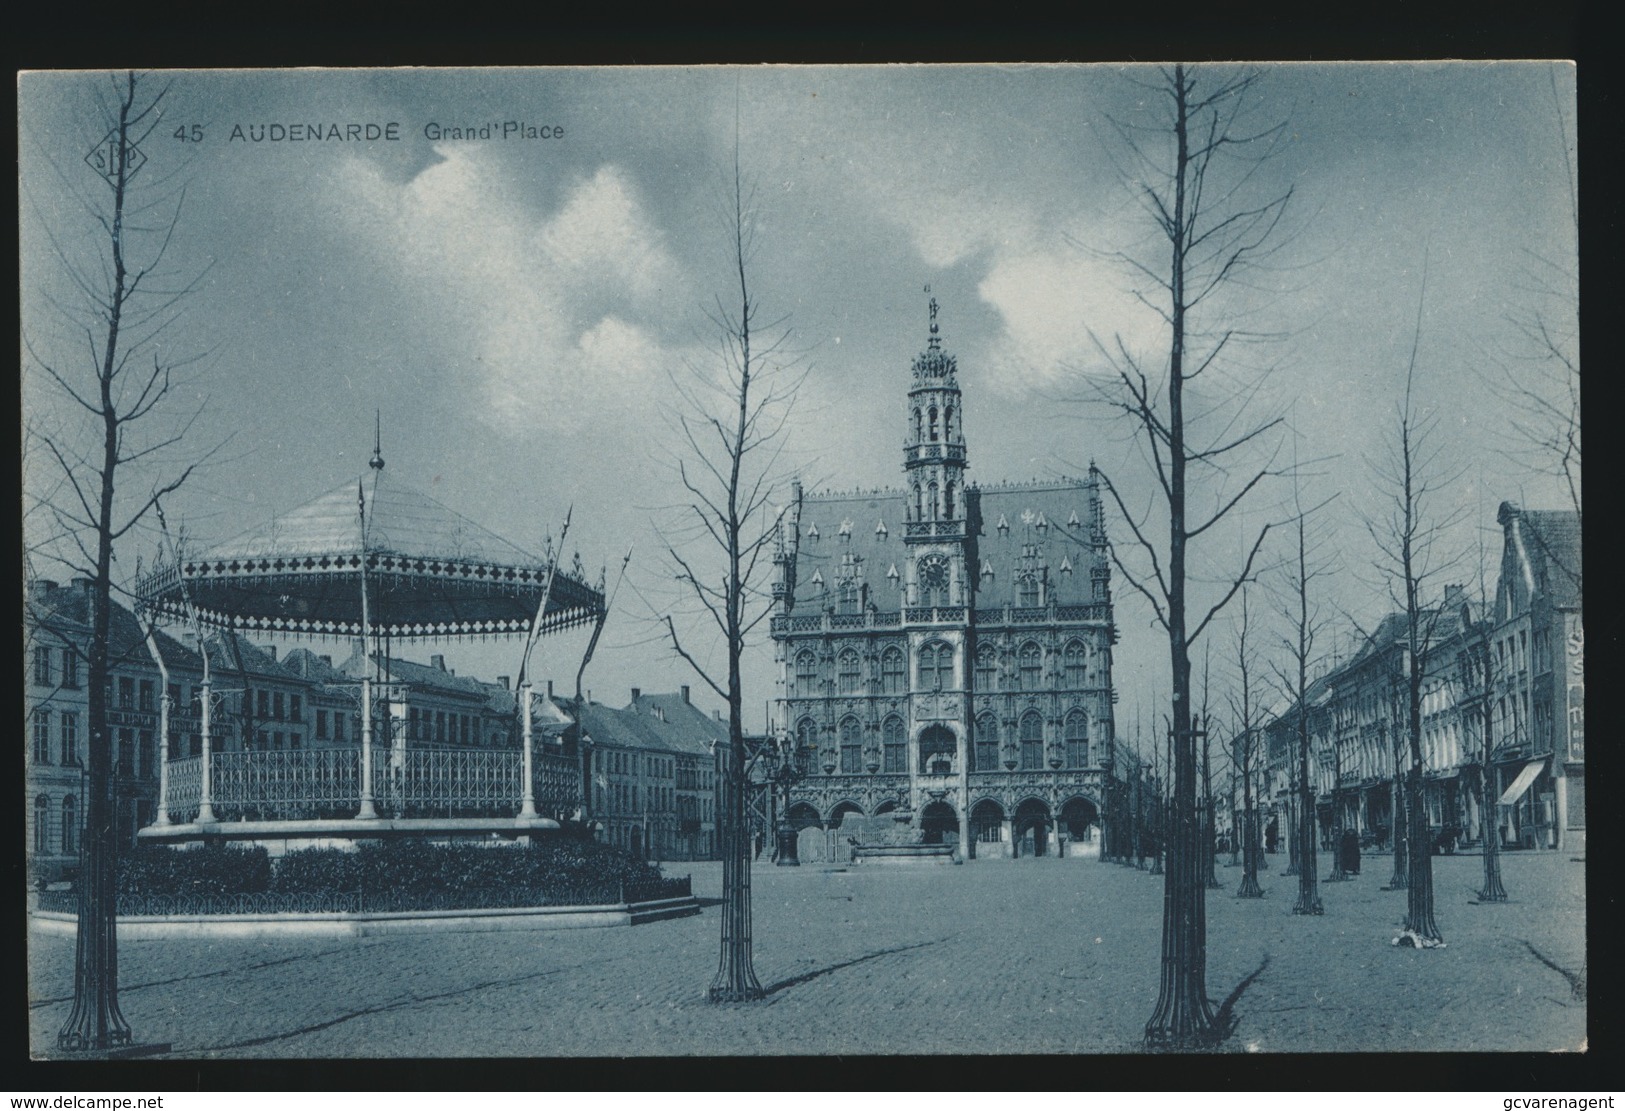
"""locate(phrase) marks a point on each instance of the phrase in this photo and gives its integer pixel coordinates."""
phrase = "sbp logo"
(104, 157)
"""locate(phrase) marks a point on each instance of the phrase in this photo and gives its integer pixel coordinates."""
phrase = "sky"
(519, 311)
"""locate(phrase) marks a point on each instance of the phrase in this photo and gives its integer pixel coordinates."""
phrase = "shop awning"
(1527, 776)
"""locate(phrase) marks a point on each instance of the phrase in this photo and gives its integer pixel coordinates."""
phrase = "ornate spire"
(933, 362)
(377, 460)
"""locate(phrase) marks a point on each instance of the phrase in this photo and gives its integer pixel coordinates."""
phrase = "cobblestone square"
(1030, 956)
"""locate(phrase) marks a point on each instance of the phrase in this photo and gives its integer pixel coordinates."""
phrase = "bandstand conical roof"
(429, 572)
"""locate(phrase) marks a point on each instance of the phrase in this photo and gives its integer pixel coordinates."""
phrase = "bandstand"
(370, 563)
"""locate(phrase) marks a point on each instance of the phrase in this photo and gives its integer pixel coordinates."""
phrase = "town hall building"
(945, 648)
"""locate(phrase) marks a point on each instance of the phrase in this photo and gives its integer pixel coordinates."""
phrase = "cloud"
(1032, 268)
(1055, 304)
(538, 310)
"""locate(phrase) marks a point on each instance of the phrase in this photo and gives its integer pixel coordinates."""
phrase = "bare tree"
(1410, 541)
(1476, 666)
(1195, 174)
(1210, 834)
(1340, 871)
(730, 435)
(115, 452)
(1537, 375)
(1245, 747)
(1305, 624)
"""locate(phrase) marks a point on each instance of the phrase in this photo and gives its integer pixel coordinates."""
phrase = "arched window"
(806, 745)
(806, 673)
(948, 502)
(931, 497)
(849, 671)
(1032, 741)
(42, 824)
(916, 426)
(893, 672)
(70, 826)
(851, 746)
(1076, 664)
(948, 423)
(1030, 666)
(1027, 594)
(933, 421)
(986, 668)
(987, 822)
(894, 745)
(1077, 740)
(936, 667)
(987, 743)
(937, 748)
(919, 503)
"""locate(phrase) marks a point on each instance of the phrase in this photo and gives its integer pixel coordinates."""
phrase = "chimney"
(502, 681)
(550, 688)
(270, 650)
(40, 588)
(83, 584)
(189, 639)
(635, 693)
(685, 692)
(437, 661)
(328, 660)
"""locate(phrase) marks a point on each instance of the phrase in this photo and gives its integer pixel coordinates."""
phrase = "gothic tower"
(934, 462)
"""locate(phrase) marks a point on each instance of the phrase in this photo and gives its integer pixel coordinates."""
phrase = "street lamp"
(785, 773)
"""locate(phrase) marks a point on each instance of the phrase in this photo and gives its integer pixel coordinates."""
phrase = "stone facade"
(946, 648)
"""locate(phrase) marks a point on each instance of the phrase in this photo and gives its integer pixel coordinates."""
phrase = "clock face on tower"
(934, 575)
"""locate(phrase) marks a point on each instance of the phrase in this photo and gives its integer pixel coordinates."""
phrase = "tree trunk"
(1250, 840)
(736, 977)
(1489, 811)
(1308, 866)
(96, 1022)
(1399, 821)
(1210, 830)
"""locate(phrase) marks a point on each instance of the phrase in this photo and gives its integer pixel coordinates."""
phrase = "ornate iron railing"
(326, 783)
(280, 785)
(556, 781)
(185, 788)
(446, 782)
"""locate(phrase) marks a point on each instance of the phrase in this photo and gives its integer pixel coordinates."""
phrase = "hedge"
(555, 864)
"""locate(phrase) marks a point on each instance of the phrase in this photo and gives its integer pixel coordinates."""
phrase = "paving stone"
(1028, 956)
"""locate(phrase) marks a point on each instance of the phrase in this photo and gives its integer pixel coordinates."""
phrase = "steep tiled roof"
(227, 649)
(1055, 517)
(683, 723)
(305, 664)
(65, 610)
(1552, 539)
(658, 723)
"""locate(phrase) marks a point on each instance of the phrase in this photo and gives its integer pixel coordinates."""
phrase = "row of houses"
(1512, 665)
(646, 771)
